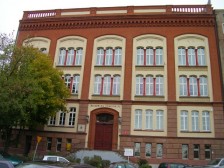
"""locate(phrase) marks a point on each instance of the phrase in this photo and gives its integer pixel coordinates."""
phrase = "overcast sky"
(11, 11)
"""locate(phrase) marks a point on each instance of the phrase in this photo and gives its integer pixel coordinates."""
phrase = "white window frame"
(203, 86)
(201, 56)
(206, 121)
(61, 57)
(149, 119)
(75, 84)
(159, 119)
(140, 56)
(183, 85)
(62, 117)
(117, 56)
(100, 56)
(79, 55)
(138, 119)
(106, 85)
(159, 56)
(149, 85)
(182, 56)
(72, 115)
(195, 120)
(139, 85)
(116, 85)
(109, 57)
(196, 151)
(52, 120)
(159, 85)
(149, 56)
(59, 144)
(97, 84)
(191, 56)
(67, 79)
(184, 120)
(193, 86)
(70, 56)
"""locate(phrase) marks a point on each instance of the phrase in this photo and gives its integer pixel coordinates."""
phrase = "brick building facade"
(141, 77)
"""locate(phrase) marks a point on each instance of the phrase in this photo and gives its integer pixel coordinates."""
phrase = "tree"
(31, 89)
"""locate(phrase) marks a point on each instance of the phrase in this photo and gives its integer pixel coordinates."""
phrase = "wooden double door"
(103, 135)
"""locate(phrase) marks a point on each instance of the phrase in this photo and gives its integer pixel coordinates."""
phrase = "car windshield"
(214, 162)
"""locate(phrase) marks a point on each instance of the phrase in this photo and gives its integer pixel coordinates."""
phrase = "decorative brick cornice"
(117, 21)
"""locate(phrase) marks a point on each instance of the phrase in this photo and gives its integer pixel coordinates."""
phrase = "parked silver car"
(216, 163)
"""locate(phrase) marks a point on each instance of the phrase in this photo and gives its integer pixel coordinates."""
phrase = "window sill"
(149, 65)
(61, 126)
(149, 98)
(105, 97)
(107, 66)
(149, 130)
(68, 66)
(196, 132)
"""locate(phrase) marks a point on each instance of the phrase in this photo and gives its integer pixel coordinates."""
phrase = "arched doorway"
(103, 129)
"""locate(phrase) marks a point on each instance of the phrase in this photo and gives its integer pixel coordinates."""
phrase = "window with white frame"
(43, 50)
(148, 149)
(184, 151)
(149, 119)
(206, 121)
(52, 120)
(137, 149)
(107, 85)
(61, 58)
(183, 86)
(118, 56)
(159, 119)
(193, 86)
(184, 120)
(191, 56)
(75, 84)
(109, 56)
(149, 56)
(67, 80)
(72, 114)
(116, 85)
(97, 84)
(138, 119)
(195, 120)
(70, 56)
(149, 86)
(159, 150)
(62, 116)
(196, 151)
(203, 86)
(78, 56)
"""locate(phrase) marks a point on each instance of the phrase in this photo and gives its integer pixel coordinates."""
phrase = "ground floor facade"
(187, 133)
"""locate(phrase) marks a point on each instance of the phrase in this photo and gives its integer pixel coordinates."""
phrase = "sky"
(11, 11)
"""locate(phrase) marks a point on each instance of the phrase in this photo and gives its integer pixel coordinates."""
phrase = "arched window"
(70, 56)
(138, 119)
(100, 56)
(159, 85)
(79, 55)
(159, 56)
(109, 57)
(67, 80)
(206, 121)
(149, 119)
(195, 120)
(203, 86)
(97, 84)
(116, 85)
(61, 58)
(140, 56)
(149, 85)
(106, 85)
(191, 56)
(182, 56)
(184, 120)
(75, 84)
(149, 56)
(201, 56)
(118, 56)
(183, 86)
(139, 85)
(193, 86)
(159, 119)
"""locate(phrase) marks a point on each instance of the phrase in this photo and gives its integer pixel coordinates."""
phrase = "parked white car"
(55, 159)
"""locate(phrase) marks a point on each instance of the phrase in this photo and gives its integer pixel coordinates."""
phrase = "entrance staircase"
(105, 155)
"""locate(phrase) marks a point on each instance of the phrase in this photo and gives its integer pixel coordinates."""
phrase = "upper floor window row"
(149, 56)
(191, 56)
(72, 82)
(107, 85)
(193, 86)
(70, 56)
(149, 85)
(109, 56)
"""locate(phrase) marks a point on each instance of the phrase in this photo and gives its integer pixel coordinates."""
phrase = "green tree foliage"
(31, 89)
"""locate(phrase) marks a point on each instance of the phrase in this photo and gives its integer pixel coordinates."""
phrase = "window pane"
(159, 56)
(182, 56)
(183, 86)
(149, 56)
(207, 151)
(203, 86)
(75, 84)
(195, 120)
(191, 57)
(106, 85)
(159, 150)
(100, 56)
(138, 119)
(159, 120)
(184, 151)
(116, 85)
(140, 56)
(70, 56)
(139, 85)
(78, 60)
(118, 56)
(137, 149)
(61, 58)
(67, 80)
(201, 57)
(109, 56)
(149, 85)
(59, 142)
(97, 84)
(193, 86)
(159, 85)
(206, 121)
(72, 114)
(149, 119)
(148, 149)
(196, 151)
(184, 121)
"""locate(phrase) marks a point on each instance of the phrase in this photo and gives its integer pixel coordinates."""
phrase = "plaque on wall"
(81, 128)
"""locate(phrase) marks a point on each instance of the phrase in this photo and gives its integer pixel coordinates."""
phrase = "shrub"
(142, 162)
(145, 166)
